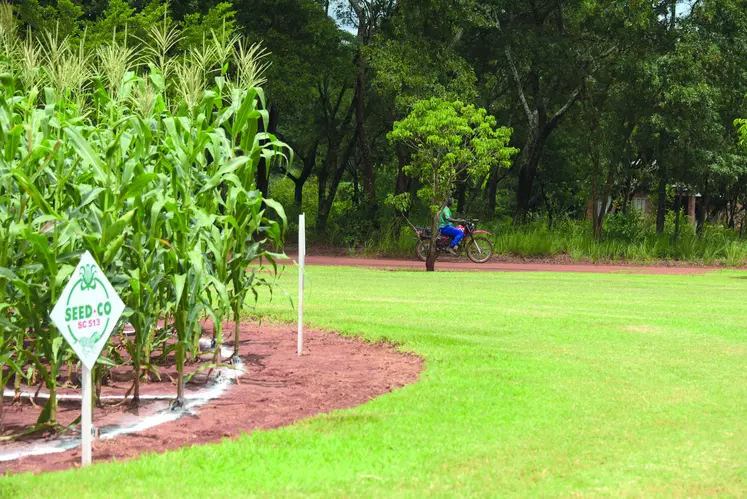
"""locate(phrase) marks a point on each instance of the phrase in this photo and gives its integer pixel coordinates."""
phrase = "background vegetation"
(606, 100)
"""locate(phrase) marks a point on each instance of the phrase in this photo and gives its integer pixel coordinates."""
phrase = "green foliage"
(625, 226)
(198, 28)
(283, 191)
(130, 25)
(448, 139)
(627, 239)
(154, 175)
(62, 17)
(400, 202)
(408, 71)
(741, 125)
(606, 98)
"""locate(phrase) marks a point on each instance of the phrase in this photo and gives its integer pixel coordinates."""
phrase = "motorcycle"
(476, 243)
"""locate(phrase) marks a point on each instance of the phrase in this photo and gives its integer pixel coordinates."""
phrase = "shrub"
(624, 226)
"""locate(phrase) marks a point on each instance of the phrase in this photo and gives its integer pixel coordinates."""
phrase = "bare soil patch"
(277, 388)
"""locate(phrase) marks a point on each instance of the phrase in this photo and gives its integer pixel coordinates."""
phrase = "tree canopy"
(607, 100)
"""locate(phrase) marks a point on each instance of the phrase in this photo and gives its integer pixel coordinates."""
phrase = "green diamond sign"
(87, 311)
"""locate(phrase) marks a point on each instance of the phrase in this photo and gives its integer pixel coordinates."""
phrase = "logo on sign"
(87, 323)
(87, 311)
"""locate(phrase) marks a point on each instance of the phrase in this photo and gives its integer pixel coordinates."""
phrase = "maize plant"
(148, 160)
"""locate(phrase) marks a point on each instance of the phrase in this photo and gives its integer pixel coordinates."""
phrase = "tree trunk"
(596, 201)
(430, 261)
(528, 171)
(369, 180)
(327, 198)
(661, 210)
(541, 125)
(298, 194)
(526, 181)
(606, 203)
(321, 217)
(491, 191)
(627, 194)
(461, 190)
(475, 192)
(548, 206)
(615, 159)
(700, 212)
(703, 213)
(677, 209)
(329, 165)
(356, 188)
(692, 202)
(732, 213)
(308, 166)
(403, 181)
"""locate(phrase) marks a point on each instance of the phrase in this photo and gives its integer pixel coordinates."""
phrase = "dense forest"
(624, 113)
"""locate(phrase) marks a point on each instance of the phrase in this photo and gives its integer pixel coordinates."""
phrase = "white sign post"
(301, 262)
(86, 314)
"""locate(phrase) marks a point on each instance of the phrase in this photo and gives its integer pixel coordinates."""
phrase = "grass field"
(535, 384)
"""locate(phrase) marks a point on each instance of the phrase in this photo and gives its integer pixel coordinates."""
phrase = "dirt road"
(465, 265)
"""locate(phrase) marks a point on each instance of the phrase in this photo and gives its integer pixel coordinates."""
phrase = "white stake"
(301, 262)
(85, 428)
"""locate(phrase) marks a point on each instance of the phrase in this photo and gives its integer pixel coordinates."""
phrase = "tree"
(720, 31)
(62, 17)
(449, 141)
(550, 51)
(413, 58)
(606, 99)
(367, 16)
(311, 83)
(129, 25)
(199, 28)
(611, 107)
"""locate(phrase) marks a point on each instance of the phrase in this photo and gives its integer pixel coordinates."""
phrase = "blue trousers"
(454, 233)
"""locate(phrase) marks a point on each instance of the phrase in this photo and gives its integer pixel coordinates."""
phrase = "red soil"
(277, 388)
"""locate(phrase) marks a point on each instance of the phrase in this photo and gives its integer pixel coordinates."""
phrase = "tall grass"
(715, 245)
(574, 240)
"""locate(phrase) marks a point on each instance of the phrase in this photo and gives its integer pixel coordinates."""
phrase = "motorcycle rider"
(446, 226)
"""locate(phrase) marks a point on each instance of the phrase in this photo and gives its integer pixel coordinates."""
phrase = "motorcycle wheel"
(479, 249)
(421, 250)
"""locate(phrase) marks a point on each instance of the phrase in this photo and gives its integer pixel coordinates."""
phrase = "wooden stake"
(86, 433)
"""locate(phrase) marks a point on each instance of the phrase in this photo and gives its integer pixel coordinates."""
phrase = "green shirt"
(445, 215)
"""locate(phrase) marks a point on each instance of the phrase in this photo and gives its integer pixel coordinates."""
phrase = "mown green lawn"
(535, 384)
